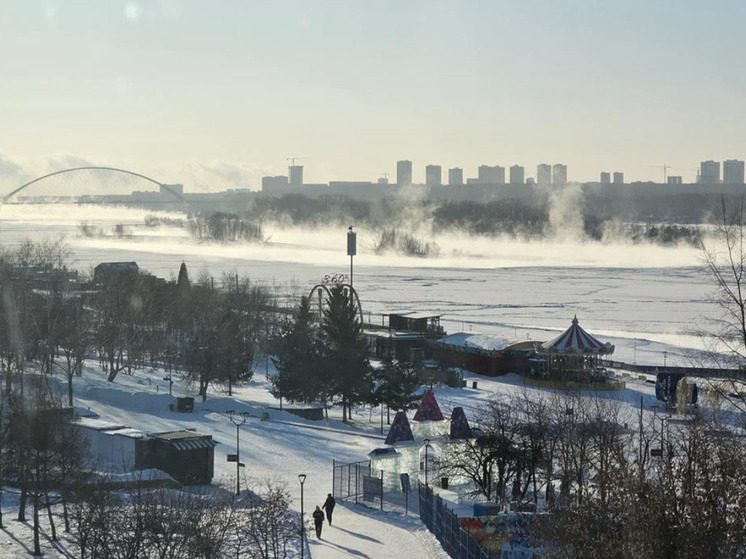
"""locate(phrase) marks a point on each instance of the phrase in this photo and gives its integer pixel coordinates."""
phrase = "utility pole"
(351, 250)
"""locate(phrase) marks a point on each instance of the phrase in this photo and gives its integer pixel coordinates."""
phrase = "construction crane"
(665, 168)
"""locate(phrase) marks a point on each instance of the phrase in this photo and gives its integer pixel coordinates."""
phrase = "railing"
(445, 525)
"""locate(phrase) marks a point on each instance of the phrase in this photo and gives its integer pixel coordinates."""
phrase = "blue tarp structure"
(665, 388)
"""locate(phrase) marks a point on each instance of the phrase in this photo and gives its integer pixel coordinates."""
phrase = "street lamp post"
(427, 445)
(302, 479)
(237, 420)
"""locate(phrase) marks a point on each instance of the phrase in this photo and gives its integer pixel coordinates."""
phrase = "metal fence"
(348, 480)
(441, 522)
(356, 482)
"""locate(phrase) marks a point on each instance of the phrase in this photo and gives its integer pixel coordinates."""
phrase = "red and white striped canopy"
(576, 340)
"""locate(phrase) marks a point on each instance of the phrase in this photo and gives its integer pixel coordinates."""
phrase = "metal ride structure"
(177, 195)
(321, 288)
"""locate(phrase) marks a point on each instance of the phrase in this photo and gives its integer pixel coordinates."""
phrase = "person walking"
(329, 507)
(318, 520)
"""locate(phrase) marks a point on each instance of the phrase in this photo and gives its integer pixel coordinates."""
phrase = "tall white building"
(559, 174)
(295, 174)
(455, 176)
(709, 172)
(403, 172)
(733, 171)
(517, 174)
(543, 174)
(433, 175)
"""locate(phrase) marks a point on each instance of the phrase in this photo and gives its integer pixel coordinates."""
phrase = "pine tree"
(183, 281)
(345, 352)
(297, 359)
(397, 385)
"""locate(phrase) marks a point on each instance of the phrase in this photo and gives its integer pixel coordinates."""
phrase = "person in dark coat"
(318, 520)
(329, 507)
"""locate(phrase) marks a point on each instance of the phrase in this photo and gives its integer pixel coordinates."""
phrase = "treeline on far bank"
(401, 224)
(517, 218)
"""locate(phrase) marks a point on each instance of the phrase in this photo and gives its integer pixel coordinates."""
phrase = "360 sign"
(335, 279)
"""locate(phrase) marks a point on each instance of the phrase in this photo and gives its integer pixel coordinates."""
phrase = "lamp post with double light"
(302, 479)
(237, 420)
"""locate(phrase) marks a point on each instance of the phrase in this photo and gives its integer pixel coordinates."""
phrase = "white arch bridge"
(177, 196)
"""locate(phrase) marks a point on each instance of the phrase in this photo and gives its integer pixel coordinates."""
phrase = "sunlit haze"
(216, 95)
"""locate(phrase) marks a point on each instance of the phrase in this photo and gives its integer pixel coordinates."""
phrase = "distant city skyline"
(217, 94)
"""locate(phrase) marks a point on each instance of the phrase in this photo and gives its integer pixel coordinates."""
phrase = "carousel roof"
(576, 340)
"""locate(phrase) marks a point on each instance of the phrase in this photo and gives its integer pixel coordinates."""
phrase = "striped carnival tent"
(574, 350)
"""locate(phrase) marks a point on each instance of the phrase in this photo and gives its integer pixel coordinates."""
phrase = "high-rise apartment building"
(295, 174)
(709, 172)
(544, 174)
(605, 178)
(491, 175)
(403, 172)
(618, 178)
(733, 171)
(455, 176)
(517, 174)
(674, 179)
(433, 175)
(559, 174)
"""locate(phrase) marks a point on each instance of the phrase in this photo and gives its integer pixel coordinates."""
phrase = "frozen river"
(643, 299)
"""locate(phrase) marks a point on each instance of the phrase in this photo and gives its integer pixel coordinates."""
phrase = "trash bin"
(185, 404)
(474, 385)
(444, 482)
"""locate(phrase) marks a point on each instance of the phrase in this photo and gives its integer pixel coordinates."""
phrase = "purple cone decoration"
(400, 430)
(429, 409)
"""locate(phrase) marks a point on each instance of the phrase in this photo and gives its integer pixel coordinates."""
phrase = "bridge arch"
(171, 191)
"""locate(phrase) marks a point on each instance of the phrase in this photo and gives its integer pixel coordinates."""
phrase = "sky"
(218, 94)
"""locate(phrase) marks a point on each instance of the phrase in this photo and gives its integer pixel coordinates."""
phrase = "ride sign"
(335, 279)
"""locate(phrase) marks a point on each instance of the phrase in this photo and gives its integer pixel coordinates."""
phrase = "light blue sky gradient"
(166, 85)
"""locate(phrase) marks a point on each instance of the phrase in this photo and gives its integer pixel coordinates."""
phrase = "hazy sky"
(215, 92)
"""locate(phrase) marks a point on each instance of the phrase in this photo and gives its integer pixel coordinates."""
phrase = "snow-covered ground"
(281, 448)
(642, 299)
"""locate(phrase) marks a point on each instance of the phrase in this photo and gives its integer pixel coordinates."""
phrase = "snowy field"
(642, 299)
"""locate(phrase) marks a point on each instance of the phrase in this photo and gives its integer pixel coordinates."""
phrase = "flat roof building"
(455, 176)
(559, 174)
(543, 174)
(733, 171)
(433, 175)
(403, 172)
(491, 175)
(517, 174)
(709, 172)
(618, 178)
(295, 172)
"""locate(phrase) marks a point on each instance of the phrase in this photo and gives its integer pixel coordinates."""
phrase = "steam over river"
(643, 299)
